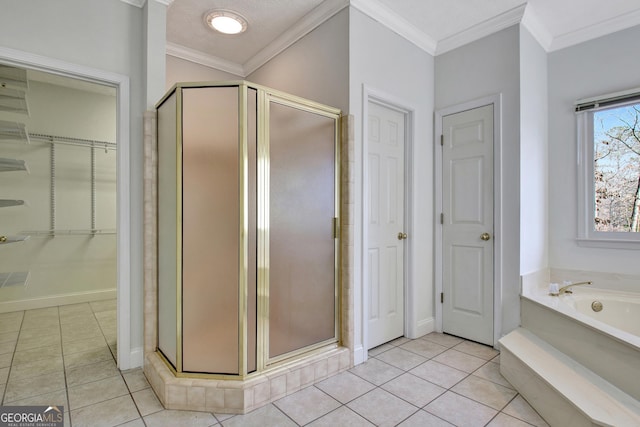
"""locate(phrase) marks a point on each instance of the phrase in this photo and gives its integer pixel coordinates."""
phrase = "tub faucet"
(566, 290)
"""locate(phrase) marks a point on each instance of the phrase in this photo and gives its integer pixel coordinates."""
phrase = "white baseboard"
(55, 300)
(359, 354)
(136, 358)
(424, 327)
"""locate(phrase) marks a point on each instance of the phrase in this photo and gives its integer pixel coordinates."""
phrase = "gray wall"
(534, 205)
(597, 67)
(486, 67)
(390, 64)
(104, 35)
(315, 67)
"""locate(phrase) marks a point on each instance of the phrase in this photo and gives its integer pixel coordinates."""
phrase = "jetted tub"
(618, 311)
(607, 342)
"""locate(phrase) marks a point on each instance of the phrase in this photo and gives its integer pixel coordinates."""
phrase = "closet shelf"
(5, 240)
(9, 165)
(5, 203)
(13, 100)
(59, 232)
(13, 131)
(13, 77)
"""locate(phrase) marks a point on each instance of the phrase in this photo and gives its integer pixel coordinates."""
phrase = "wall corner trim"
(141, 3)
(205, 59)
(304, 26)
(483, 29)
(537, 28)
(396, 23)
(600, 29)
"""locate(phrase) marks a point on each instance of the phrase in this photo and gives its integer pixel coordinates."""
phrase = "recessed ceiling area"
(435, 25)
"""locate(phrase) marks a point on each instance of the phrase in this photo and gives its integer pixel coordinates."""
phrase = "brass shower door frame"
(265, 96)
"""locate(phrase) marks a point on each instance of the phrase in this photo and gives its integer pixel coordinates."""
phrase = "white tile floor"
(65, 356)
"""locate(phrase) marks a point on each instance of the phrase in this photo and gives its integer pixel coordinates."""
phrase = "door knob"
(3, 238)
(485, 236)
(402, 236)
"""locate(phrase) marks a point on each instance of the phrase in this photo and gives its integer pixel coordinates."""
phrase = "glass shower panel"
(302, 287)
(211, 225)
(167, 229)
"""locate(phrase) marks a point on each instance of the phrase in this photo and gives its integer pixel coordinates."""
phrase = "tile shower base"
(241, 396)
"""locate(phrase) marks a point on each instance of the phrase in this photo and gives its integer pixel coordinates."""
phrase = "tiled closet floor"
(65, 356)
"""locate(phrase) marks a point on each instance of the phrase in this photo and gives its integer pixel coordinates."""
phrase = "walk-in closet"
(57, 190)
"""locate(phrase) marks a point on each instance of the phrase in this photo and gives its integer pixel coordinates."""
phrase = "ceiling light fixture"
(225, 21)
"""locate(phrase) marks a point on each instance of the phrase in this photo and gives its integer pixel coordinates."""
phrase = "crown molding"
(600, 29)
(304, 26)
(537, 29)
(396, 23)
(483, 29)
(141, 3)
(205, 59)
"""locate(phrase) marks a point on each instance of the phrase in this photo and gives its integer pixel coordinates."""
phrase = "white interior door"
(385, 217)
(467, 234)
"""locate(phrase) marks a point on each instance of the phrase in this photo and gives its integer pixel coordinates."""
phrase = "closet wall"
(72, 264)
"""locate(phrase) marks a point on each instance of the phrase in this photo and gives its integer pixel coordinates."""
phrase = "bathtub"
(607, 342)
(618, 313)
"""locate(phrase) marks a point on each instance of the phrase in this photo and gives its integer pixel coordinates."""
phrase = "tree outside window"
(616, 167)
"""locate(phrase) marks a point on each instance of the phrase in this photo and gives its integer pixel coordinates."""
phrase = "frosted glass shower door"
(302, 247)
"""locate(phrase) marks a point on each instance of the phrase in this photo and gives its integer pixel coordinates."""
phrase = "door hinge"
(441, 297)
(336, 228)
(442, 218)
(442, 139)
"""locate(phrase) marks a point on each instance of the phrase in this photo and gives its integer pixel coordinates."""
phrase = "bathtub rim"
(540, 295)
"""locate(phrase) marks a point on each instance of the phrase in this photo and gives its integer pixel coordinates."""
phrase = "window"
(609, 170)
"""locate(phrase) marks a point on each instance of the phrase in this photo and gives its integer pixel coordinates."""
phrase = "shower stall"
(248, 231)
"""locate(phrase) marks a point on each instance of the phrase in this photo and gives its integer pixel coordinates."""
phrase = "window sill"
(608, 243)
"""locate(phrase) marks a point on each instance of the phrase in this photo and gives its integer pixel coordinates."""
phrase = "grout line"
(278, 408)
(13, 354)
(64, 370)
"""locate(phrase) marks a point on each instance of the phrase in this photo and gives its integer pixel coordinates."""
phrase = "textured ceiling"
(558, 23)
(267, 19)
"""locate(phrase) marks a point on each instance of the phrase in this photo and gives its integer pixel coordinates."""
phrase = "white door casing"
(467, 226)
(385, 190)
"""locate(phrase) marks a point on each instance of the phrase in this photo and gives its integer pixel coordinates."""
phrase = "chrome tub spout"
(566, 289)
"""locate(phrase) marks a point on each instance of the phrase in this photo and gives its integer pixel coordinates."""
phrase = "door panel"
(385, 190)
(468, 213)
(467, 284)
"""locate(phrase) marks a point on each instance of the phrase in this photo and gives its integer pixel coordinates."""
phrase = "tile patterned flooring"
(65, 356)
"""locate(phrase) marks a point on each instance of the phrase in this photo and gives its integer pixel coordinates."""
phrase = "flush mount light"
(225, 21)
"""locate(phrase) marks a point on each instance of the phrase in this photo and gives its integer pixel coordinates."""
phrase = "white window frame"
(587, 235)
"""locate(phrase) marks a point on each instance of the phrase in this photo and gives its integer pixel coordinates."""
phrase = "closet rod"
(74, 141)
